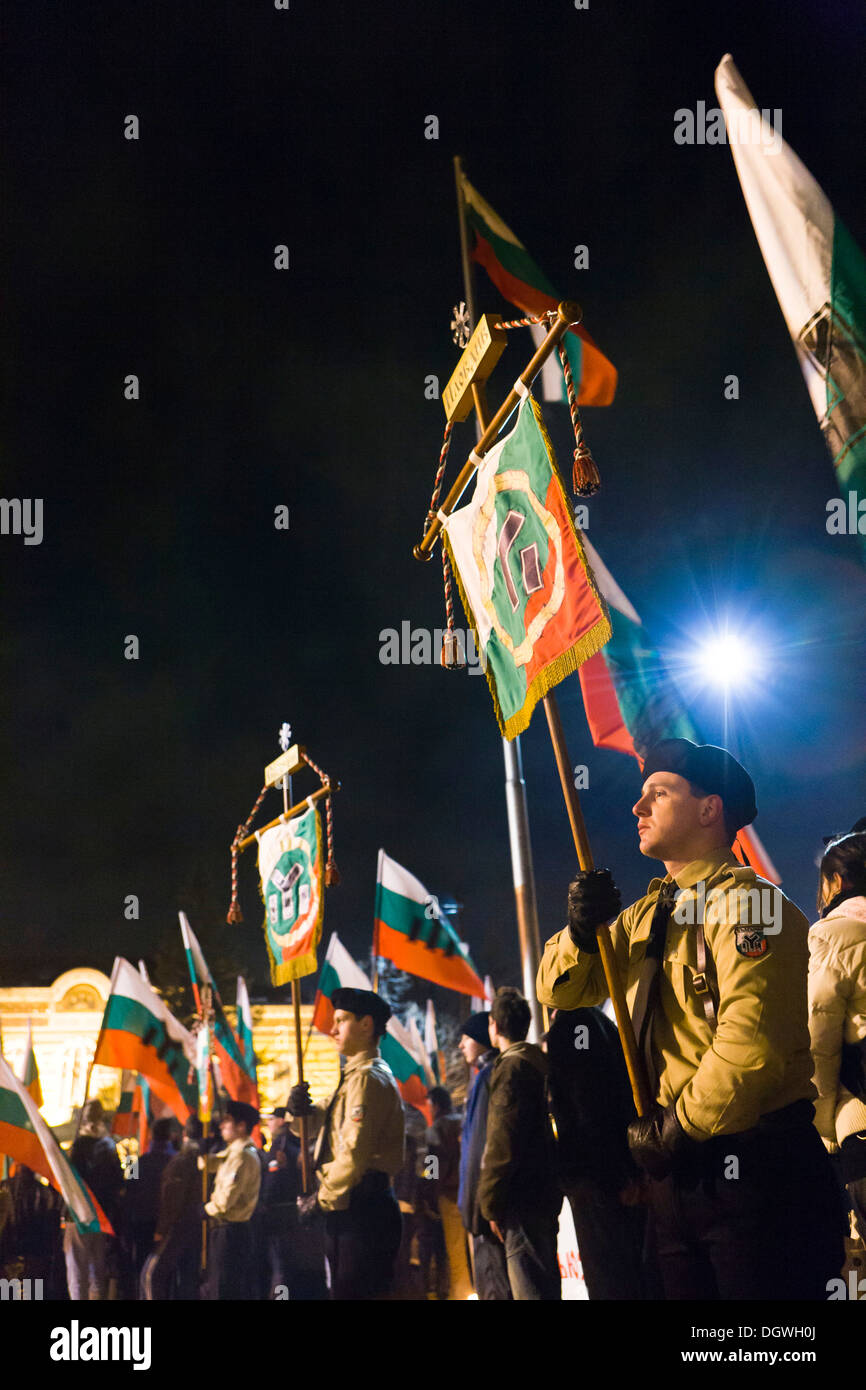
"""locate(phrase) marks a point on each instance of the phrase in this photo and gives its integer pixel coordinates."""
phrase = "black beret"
(361, 1002)
(712, 769)
(279, 1112)
(242, 1114)
(477, 1027)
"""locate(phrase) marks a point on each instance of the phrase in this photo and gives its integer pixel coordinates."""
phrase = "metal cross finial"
(461, 325)
(285, 737)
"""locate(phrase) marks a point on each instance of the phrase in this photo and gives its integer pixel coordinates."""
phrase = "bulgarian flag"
(125, 1124)
(817, 271)
(523, 575)
(140, 1033)
(237, 1078)
(519, 280)
(245, 1027)
(339, 971)
(30, 1074)
(412, 930)
(26, 1138)
(631, 700)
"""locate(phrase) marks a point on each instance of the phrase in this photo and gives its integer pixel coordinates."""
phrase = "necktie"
(646, 998)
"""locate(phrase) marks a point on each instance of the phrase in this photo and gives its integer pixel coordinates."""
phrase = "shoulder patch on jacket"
(751, 942)
(357, 1113)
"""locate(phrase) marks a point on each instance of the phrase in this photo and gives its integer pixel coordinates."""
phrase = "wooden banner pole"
(633, 1060)
(296, 1010)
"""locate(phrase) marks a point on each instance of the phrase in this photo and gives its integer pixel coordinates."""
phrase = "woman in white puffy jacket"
(837, 1012)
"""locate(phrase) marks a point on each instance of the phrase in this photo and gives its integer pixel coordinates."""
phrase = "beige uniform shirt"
(238, 1179)
(758, 1058)
(362, 1130)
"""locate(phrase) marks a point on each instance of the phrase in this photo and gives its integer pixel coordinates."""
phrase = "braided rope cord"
(585, 478)
(332, 873)
(234, 914)
(450, 656)
(585, 474)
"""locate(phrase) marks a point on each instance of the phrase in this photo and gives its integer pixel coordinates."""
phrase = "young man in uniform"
(713, 961)
(359, 1152)
(232, 1203)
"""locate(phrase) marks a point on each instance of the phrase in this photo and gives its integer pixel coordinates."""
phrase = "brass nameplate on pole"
(286, 765)
(480, 356)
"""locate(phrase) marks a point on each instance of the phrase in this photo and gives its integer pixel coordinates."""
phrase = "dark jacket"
(443, 1143)
(281, 1185)
(142, 1193)
(518, 1173)
(180, 1193)
(590, 1100)
(94, 1157)
(472, 1146)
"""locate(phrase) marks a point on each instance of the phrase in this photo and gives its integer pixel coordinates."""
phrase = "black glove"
(299, 1102)
(593, 900)
(657, 1140)
(308, 1208)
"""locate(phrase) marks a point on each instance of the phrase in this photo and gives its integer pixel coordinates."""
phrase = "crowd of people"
(741, 1177)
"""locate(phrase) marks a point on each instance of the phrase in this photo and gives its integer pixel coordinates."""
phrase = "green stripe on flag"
(399, 1060)
(401, 914)
(12, 1111)
(125, 1015)
(515, 259)
(846, 375)
(329, 980)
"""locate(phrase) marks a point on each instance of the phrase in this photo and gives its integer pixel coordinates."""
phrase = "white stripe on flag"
(126, 981)
(73, 1193)
(399, 880)
(792, 216)
(552, 380)
(610, 590)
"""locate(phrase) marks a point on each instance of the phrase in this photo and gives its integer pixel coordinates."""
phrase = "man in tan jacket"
(713, 961)
(358, 1153)
(231, 1205)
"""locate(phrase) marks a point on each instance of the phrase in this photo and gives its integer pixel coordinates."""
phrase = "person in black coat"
(591, 1103)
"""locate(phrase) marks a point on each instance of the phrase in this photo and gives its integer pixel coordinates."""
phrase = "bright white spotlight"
(727, 659)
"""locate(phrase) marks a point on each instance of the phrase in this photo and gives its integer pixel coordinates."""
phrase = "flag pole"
(202, 1099)
(633, 1060)
(522, 870)
(285, 738)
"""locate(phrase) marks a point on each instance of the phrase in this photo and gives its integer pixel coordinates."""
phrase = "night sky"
(305, 388)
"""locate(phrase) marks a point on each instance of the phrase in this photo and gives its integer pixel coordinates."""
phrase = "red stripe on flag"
(238, 1084)
(120, 1049)
(598, 378)
(418, 959)
(323, 1014)
(414, 1092)
(603, 714)
(579, 610)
